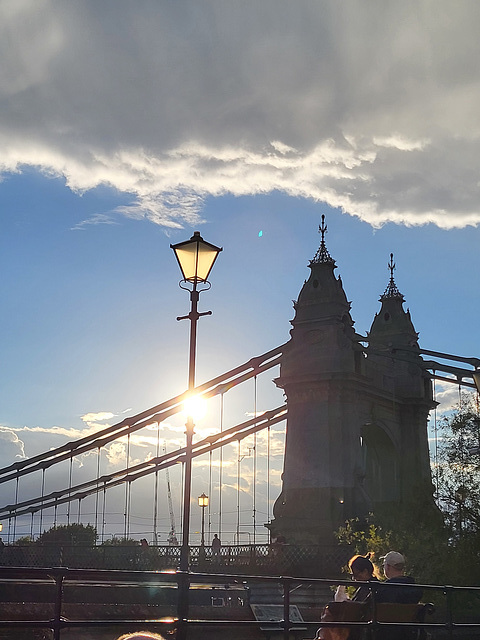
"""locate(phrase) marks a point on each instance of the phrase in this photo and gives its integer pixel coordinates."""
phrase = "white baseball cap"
(392, 558)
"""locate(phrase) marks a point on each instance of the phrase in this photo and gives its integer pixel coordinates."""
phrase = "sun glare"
(195, 407)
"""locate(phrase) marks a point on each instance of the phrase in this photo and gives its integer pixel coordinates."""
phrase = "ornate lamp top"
(322, 256)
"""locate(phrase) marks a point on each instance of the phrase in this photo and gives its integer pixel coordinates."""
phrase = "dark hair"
(361, 563)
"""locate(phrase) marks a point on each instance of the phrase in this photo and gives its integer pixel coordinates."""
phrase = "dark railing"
(243, 559)
(58, 599)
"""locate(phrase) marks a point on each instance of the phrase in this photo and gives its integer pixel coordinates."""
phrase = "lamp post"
(196, 258)
(202, 503)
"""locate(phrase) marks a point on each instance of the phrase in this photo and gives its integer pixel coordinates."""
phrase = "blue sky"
(126, 126)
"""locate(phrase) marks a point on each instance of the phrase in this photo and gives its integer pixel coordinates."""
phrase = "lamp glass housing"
(203, 500)
(196, 258)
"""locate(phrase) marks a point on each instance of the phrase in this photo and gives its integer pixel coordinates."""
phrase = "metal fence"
(50, 602)
(243, 559)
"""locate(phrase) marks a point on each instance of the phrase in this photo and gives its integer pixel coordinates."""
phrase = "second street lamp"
(196, 258)
(202, 503)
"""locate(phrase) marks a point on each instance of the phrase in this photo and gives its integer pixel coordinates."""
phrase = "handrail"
(63, 577)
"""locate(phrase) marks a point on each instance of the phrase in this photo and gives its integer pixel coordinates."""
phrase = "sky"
(124, 127)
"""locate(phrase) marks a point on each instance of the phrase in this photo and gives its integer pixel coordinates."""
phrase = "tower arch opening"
(381, 464)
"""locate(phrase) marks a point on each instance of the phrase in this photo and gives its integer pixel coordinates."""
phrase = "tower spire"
(392, 290)
(322, 256)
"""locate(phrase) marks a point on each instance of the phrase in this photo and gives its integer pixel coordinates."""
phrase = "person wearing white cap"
(394, 570)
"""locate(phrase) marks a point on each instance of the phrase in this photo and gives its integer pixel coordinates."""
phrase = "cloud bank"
(370, 107)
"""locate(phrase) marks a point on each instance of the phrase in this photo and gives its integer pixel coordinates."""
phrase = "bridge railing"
(51, 601)
(239, 559)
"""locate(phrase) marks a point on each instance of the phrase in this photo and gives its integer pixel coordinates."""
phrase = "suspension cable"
(104, 506)
(435, 428)
(129, 504)
(268, 473)
(220, 473)
(255, 464)
(238, 490)
(210, 453)
(209, 389)
(70, 477)
(42, 494)
(125, 510)
(155, 490)
(97, 493)
(16, 502)
(214, 441)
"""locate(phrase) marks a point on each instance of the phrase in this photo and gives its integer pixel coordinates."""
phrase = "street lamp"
(196, 258)
(203, 502)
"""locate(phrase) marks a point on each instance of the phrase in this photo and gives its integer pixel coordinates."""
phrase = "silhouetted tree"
(81, 535)
(458, 469)
(121, 542)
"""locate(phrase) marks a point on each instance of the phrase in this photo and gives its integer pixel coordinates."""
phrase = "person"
(172, 538)
(141, 635)
(394, 570)
(362, 570)
(216, 544)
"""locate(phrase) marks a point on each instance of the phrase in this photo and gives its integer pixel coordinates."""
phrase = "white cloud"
(68, 432)
(116, 453)
(370, 107)
(401, 143)
(99, 218)
(12, 448)
(447, 395)
(97, 417)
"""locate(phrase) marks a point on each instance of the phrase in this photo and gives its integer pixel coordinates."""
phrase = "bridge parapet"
(260, 559)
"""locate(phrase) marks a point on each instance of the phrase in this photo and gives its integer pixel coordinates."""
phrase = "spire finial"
(392, 290)
(391, 266)
(322, 255)
(323, 228)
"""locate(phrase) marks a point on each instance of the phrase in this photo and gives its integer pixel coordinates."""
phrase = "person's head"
(393, 564)
(361, 568)
(141, 635)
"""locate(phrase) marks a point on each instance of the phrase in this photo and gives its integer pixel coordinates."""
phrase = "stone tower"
(357, 416)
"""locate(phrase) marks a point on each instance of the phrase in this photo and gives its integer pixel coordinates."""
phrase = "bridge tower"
(357, 417)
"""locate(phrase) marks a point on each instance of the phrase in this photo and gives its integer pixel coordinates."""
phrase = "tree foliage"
(23, 541)
(120, 542)
(82, 535)
(458, 470)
